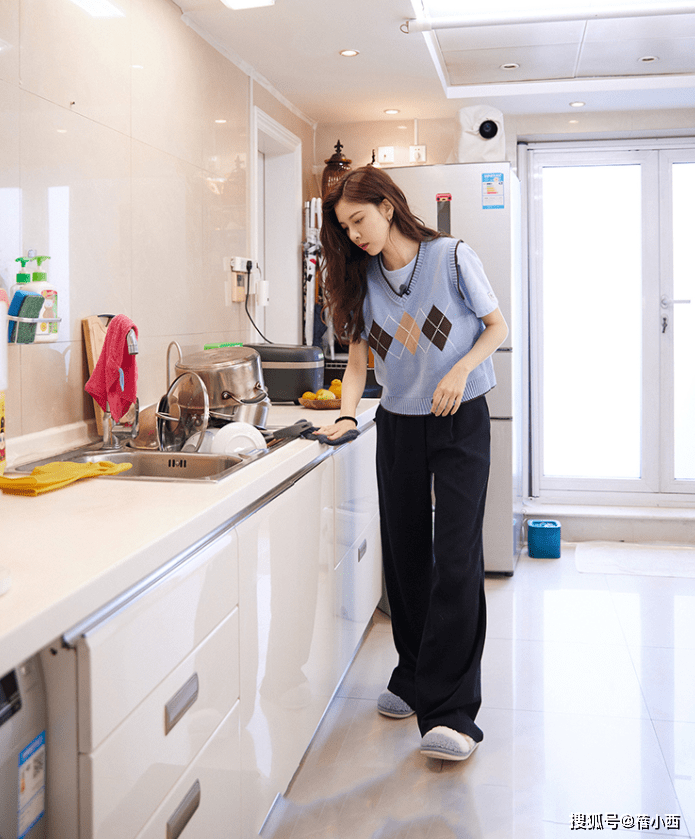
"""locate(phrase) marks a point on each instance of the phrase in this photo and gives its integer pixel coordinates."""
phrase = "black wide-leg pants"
(435, 576)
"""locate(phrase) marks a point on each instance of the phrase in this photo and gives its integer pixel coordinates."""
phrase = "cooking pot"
(234, 380)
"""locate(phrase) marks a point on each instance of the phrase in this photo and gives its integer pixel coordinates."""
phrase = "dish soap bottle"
(23, 277)
(45, 332)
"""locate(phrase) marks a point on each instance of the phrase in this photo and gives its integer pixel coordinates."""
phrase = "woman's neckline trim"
(399, 295)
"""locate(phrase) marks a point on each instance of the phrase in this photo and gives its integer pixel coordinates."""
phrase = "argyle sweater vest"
(417, 336)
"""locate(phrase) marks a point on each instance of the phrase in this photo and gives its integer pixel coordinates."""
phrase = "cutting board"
(94, 332)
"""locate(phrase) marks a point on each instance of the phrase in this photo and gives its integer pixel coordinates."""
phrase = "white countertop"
(71, 551)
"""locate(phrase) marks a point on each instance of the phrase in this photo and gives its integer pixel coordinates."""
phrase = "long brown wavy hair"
(345, 268)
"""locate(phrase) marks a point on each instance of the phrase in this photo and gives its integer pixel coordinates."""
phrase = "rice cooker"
(290, 370)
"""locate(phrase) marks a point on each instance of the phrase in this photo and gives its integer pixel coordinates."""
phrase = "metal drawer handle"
(362, 550)
(183, 813)
(180, 702)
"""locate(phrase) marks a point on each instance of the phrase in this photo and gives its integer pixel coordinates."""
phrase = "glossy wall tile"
(124, 144)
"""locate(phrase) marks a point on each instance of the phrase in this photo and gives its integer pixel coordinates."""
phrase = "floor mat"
(657, 560)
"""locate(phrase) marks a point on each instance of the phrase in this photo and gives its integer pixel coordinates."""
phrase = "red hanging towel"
(105, 382)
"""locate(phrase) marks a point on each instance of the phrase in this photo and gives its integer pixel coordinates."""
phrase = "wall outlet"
(238, 263)
(418, 154)
(385, 154)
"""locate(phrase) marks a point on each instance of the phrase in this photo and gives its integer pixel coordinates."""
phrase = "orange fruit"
(308, 395)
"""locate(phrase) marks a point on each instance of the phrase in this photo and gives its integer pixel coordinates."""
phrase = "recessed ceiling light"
(574, 121)
(511, 66)
(349, 53)
(137, 66)
(647, 59)
(577, 104)
(220, 121)
(392, 111)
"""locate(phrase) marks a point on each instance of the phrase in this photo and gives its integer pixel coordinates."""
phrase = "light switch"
(385, 154)
(418, 154)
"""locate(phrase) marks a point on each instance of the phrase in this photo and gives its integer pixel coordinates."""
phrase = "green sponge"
(31, 308)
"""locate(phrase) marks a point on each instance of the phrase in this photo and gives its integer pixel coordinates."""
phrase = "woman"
(423, 304)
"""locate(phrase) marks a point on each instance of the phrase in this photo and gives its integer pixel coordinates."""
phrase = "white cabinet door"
(206, 802)
(356, 494)
(288, 634)
(122, 660)
(129, 774)
(358, 541)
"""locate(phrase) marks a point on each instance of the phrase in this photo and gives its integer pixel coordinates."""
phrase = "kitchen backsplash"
(123, 155)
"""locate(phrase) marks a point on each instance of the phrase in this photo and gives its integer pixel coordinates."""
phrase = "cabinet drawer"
(359, 578)
(124, 658)
(129, 774)
(356, 496)
(206, 802)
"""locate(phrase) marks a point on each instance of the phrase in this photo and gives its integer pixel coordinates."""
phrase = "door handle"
(668, 301)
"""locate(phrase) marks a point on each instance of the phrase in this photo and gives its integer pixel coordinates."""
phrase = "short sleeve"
(473, 284)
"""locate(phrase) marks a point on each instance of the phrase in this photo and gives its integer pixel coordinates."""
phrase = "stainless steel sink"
(157, 466)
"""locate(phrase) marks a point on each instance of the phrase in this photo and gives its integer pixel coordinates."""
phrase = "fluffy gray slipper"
(446, 744)
(391, 705)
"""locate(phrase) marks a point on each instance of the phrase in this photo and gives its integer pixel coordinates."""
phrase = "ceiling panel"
(621, 58)
(653, 26)
(535, 63)
(521, 35)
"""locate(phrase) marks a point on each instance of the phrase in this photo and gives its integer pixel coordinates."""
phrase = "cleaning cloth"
(58, 474)
(322, 438)
(115, 375)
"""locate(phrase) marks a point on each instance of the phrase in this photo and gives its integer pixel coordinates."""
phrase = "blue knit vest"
(419, 335)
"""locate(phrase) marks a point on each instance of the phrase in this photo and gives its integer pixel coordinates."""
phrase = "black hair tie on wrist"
(348, 418)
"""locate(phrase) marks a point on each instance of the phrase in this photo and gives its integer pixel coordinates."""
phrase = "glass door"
(612, 260)
(678, 321)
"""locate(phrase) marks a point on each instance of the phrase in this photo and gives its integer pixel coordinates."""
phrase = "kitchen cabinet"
(310, 580)
(205, 802)
(358, 541)
(187, 701)
(156, 680)
(288, 667)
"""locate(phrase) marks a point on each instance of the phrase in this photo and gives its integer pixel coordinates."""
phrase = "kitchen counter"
(73, 550)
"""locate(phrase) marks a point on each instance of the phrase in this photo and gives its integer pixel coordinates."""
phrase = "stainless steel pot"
(234, 380)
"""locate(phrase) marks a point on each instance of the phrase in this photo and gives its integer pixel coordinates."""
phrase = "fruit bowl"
(320, 404)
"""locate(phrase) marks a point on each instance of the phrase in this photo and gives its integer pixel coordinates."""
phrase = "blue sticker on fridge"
(493, 191)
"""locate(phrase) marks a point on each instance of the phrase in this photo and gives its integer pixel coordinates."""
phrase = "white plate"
(205, 446)
(237, 437)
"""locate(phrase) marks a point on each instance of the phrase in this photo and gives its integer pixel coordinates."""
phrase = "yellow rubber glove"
(58, 474)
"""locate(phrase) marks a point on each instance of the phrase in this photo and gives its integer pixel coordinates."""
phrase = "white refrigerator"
(480, 204)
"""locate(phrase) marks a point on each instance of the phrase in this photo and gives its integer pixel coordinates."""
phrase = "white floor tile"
(588, 713)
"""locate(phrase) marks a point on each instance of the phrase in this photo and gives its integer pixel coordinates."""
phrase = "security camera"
(488, 129)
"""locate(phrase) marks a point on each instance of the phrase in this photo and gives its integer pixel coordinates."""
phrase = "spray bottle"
(45, 331)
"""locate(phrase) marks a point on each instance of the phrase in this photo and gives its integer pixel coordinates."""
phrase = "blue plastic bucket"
(544, 539)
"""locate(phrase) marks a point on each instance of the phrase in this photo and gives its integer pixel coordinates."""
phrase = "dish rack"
(18, 320)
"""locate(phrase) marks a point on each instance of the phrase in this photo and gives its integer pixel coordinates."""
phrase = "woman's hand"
(448, 393)
(336, 430)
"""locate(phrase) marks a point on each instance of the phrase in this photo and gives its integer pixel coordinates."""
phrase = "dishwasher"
(23, 752)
